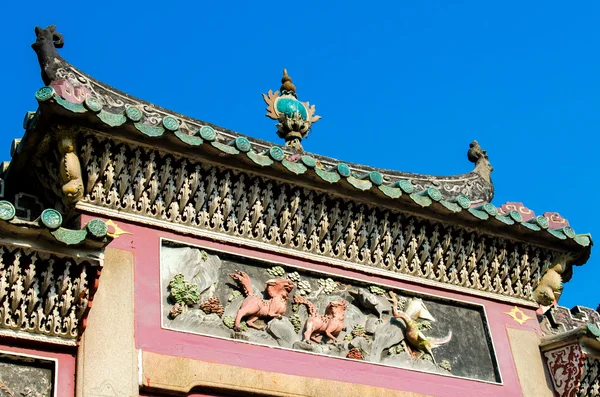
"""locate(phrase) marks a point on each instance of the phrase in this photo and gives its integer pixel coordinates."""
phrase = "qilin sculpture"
(413, 336)
(256, 307)
(295, 117)
(46, 43)
(70, 170)
(331, 324)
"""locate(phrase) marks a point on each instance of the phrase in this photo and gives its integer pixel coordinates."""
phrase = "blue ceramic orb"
(291, 107)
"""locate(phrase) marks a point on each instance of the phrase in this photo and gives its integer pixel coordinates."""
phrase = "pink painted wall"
(144, 242)
(66, 364)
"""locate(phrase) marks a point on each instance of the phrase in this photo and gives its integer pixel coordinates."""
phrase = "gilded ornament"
(518, 315)
(117, 231)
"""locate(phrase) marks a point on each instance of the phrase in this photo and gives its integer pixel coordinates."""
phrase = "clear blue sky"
(400, 85)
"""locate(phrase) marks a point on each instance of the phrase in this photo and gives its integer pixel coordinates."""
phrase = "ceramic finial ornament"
(295, 118)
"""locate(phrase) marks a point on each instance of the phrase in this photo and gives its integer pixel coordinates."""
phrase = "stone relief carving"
(43, 294)
(26, 376)
(330, 325)
(256, 307)
(334, 316)
(166, 187)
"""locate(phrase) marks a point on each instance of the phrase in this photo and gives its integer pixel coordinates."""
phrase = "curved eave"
(88, 241)
(340, 179)
(147, 120)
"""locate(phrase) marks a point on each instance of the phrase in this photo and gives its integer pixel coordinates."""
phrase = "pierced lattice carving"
(43, 294)
(163, 186)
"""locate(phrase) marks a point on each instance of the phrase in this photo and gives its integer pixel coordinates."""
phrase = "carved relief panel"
(22, 375)
(248, 300)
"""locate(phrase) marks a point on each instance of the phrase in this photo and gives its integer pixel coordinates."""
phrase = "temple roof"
(91, 108)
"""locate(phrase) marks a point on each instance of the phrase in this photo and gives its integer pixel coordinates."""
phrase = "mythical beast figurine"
(414, 338)
(331, 324)
(256, 307)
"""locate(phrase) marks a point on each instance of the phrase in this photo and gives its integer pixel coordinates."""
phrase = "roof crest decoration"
(295, 117)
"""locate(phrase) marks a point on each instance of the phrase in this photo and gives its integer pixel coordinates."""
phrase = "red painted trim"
(144, 242)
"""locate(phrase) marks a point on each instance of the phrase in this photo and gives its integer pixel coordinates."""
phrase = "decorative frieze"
(167, 187)
(244, 299)
(44, 294)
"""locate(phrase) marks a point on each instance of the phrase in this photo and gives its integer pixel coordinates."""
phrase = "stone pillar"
(525, 346)
(107, 358)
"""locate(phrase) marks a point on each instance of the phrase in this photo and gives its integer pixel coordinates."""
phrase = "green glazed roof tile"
(567, 231)
(170, 123)
(111, 119)
(328, 176)
(276, 153)
(225, 148)
(70, 237)
(505, 219)
(343, 169)
(73, 107)
(242, 144)
(515, 215)
(45, 94)
(359, 184)
(296, 168)
(557, 233)
(7, 210)
(531, 226)
(149, 130)
(454, 207)
(207, 133)
(478, 214)
(93, 104)
(583, 239)
(421, 198)
(189, 139)
(308, 161)
(391, 192)
(262, 160)
(406, 186)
